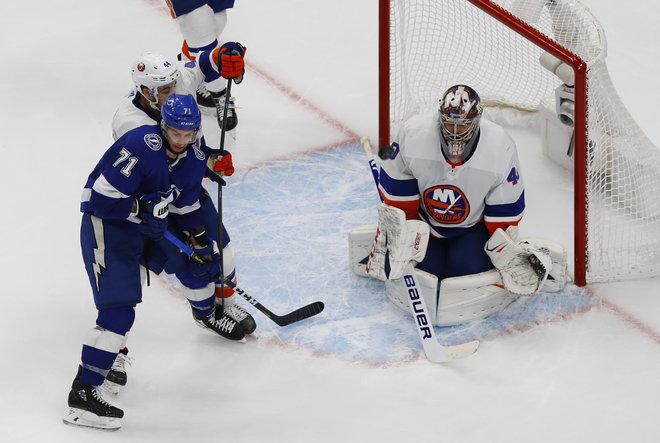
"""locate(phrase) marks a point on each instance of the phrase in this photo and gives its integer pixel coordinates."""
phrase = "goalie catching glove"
(523, 266)
(398, 241)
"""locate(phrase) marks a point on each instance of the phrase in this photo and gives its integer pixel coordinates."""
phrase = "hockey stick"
(434, 351)
(306, 311)
(221, 234)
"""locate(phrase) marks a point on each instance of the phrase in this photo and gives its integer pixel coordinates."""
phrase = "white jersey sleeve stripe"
(103, 187)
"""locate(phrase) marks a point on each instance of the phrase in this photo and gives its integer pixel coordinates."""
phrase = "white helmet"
(152, 71)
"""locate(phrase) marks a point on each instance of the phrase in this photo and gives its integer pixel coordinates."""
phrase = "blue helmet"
(181, 112)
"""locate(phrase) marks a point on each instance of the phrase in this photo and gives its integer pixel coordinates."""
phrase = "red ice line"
(297, 98)
(632, 321)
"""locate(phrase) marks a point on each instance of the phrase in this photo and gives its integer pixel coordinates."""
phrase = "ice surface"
(574, 367)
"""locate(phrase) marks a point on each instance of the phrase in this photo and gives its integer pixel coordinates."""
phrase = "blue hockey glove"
(153, 213)
(205, 264)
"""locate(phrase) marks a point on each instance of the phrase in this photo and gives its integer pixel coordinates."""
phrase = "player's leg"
(111, 253)
(225, 296)
(199, 293)
(219, 8)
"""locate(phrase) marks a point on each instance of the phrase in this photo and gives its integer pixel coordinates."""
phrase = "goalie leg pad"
(360, 242)
(471, 297)
(397, 292)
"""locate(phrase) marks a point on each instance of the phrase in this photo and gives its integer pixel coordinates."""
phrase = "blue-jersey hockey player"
(453, 196)
(147, 182)
(155, 78)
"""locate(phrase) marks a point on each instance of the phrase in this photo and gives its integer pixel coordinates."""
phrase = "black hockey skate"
(204, 97)
(117, 378)
(224, 326)
(88, 408)
(240, 315)
(232, 118)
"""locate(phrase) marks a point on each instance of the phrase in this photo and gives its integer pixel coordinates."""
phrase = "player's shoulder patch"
(191, 64)
(198, 152)
(154, 141)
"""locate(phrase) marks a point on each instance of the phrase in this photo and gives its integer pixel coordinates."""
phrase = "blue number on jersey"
(513, 176)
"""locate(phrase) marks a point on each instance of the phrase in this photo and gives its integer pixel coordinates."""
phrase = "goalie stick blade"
(299, 314)
(444, 354)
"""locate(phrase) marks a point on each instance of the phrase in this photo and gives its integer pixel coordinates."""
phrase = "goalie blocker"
(458, 299)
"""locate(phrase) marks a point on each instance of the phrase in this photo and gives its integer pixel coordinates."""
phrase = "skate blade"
(86, 419)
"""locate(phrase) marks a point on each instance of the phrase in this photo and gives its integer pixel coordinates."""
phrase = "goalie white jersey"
(486, 187)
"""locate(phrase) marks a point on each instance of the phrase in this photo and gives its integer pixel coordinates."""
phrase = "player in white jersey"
(460, 175)
(156, 78)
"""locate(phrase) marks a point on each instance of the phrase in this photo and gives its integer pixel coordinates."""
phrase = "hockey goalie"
(453, 196)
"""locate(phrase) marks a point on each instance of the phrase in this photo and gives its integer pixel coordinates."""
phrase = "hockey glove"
(205, 263)
(522, 266)
(153, 213)
(229, 57)
(221, 163)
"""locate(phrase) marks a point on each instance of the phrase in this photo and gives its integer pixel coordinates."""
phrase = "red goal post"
(427, 45)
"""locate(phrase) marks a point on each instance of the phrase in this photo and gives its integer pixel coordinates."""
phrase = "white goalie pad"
(397, 292)
(398, 242)
(360, 242)
(462, 299)
(523, 267)
(471, 297)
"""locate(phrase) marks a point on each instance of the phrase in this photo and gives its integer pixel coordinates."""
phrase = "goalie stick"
(306, 311)
(435, 352)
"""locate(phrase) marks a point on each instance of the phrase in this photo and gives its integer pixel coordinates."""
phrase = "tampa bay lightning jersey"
(136, 166)
(487, 186)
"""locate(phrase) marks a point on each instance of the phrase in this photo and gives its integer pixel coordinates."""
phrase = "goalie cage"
(426, 46)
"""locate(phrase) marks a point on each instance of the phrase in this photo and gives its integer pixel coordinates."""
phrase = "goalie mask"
(460, 112)
(154, 71)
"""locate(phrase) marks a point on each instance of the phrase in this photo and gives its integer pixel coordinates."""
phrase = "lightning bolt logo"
(99, 252)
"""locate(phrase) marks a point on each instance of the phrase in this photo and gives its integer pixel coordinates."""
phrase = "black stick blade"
(300, 314)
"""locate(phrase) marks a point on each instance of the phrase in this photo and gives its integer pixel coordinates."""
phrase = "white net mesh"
(437, 43)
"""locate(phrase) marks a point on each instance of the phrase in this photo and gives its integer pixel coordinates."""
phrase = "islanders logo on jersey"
(446, 204)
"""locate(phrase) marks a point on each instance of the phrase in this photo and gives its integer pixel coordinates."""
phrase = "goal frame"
(580, 69)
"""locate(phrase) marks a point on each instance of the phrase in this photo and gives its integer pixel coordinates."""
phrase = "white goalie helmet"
(460, 112)
(152, 71)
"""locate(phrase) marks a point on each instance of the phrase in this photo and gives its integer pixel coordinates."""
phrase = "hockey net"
(495, 47)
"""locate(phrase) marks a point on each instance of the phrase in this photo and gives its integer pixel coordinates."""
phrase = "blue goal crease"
(289, 224)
